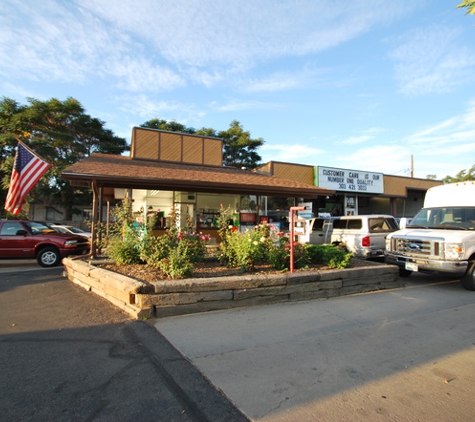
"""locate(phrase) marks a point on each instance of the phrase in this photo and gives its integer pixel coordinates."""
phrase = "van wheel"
(48, 257)
(468, 280)
(404, 273)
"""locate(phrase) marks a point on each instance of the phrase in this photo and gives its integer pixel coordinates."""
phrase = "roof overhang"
(115, 171)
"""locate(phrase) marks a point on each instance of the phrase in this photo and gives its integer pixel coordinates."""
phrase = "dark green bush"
(279, 256)
(329, 255)
(124, 252)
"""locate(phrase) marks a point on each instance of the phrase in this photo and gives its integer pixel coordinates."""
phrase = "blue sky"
(356, 84)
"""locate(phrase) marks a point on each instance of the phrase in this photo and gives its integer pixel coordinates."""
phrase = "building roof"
(129, 173)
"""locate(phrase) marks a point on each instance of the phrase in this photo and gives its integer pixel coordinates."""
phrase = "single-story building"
(168, 170)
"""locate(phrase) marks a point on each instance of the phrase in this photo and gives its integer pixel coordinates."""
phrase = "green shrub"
(279, 256)
(129, 242)
(329, 255)
(124, 252)
(154, 249)
(248, 249)
(193, 244)
(177, 264)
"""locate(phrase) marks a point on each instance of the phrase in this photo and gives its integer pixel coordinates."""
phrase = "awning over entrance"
(124, 172)
(100, 171)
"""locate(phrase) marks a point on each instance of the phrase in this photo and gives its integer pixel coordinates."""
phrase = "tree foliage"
(62, 134)
(170, 125)
(239, 149)
(461, 176)
(469, 5)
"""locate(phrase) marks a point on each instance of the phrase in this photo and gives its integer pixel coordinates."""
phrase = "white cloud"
(157, 46)
(433, 60)
(149, 108)
(296, 153)
(355, 140)
(283, 81)
(367, 135)
(238, 105)
(442, 149)
(139, 74)
(63, 44)
(242, 33)
(388, 159)
(449, 137)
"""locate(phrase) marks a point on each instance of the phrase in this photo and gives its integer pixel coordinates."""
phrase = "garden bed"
(143, 292)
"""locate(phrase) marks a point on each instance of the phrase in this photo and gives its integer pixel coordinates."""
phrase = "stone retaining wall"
(175, 297)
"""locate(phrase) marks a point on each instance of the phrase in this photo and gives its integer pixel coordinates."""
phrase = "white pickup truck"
(362, 235)
(441, 237)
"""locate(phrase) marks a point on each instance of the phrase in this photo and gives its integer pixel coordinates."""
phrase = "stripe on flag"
(27, 171)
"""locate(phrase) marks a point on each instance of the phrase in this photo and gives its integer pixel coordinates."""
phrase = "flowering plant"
(279, 256)
(250, 248)
(193, 244)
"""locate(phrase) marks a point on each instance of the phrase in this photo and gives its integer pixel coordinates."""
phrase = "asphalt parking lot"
(405, 354)
(69, 355)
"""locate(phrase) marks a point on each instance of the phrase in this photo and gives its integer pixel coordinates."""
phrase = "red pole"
(292, 211)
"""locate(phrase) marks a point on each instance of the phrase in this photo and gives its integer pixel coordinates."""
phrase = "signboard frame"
(345, 180)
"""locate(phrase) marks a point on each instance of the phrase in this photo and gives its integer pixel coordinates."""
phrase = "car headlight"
(454, 250)
(71, 243)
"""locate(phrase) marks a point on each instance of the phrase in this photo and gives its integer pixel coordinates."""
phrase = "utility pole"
(412, 166)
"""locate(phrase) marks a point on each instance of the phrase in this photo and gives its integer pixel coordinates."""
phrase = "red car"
(33, 239)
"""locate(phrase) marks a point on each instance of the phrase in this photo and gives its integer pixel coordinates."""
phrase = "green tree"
(239, 149)
(469, 5)
(170, 125)
(461, 176)
(61, 133)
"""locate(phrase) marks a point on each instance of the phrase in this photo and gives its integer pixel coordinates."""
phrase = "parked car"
(33, 239)
(363, 235)
(70, 229)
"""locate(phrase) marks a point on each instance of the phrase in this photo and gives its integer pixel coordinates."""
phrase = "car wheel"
(404, 273)
(48, 257)
(468, 280)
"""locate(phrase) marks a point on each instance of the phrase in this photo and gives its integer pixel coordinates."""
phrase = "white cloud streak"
(432, 60)
(297, 153)
(161, 45)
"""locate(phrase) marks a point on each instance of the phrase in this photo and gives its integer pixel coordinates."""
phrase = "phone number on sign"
(344, 186)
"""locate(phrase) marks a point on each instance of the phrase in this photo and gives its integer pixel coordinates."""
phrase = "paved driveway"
(405, 354)
(69, 355)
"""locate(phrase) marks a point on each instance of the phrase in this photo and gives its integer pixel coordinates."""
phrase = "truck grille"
(415, 247)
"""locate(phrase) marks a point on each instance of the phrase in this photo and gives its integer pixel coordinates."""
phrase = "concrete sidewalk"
(406, 354)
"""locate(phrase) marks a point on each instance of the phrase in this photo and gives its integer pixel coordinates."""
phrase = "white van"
(441, 237)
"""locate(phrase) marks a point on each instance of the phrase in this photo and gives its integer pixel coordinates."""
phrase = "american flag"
(27, 170)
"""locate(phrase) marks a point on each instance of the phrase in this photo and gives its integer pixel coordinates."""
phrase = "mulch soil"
(209, 269)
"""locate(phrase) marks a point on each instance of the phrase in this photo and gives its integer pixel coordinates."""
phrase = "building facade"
(169, 170)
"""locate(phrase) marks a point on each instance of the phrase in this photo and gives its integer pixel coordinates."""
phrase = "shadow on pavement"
(69, 355)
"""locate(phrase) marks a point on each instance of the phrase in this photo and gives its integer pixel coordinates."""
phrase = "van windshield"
(449, 218)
